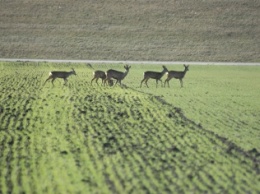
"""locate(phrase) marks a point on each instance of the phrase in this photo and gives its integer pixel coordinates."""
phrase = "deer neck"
(163, 72)
(184, 72)
(126, 72)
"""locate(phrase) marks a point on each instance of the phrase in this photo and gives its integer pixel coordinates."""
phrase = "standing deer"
(98, 74)
(117, 75)
(153, 75)
(60, 74)
(177, 75)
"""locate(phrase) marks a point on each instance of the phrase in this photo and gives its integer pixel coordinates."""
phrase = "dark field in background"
(166, 30)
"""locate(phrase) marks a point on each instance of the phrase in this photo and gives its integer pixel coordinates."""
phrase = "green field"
(202, 138)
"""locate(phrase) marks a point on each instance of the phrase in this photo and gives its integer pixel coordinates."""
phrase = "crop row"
(92, 139)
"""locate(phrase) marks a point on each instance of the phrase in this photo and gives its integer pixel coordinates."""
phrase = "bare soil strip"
(126, 62)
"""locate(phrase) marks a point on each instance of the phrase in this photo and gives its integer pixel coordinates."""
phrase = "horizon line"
(127, 61)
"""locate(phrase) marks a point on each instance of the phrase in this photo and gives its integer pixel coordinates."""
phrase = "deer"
(98, 74)
(117, 75)
(177, 75)
(60, 74)
(101, 74)
(153, 75)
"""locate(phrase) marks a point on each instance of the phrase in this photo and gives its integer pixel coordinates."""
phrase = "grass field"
(169, 30)
(203, 138)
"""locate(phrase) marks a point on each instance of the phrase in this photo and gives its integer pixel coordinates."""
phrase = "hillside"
(169, 30)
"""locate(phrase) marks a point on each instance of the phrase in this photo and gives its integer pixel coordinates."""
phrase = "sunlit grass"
(90, 139)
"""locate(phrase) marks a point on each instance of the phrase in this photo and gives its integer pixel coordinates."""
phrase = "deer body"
(177, 75)
(153, 75)
(99, 74)
(117, 75)
(60, 74)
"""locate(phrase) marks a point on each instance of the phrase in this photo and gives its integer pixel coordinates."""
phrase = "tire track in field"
(166, 153)
(225, 145)
(253, 155)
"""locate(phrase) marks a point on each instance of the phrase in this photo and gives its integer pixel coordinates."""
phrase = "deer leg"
(110, 83)
(53, 81)
(146, 82)
(92, 80)
(65, 81)
(181, 82)
(167, 82)
(156, 83)
(97, 81)
(105, 81)
(161, 83)
(47, 80)
(142, 82)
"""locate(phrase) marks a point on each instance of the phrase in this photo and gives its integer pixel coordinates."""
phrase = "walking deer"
(177, 75)
(60, 74)
(98, 74)
(153, 75)
(117, 75)
(101, 74)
